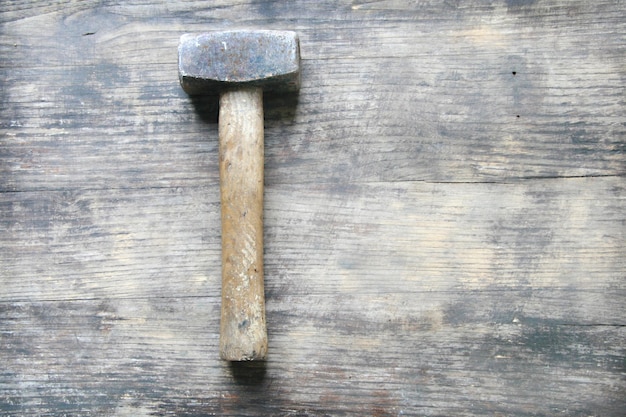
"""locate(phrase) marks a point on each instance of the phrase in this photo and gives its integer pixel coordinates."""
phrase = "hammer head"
(214, 61)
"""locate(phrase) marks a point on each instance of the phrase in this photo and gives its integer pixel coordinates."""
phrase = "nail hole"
(514, 73)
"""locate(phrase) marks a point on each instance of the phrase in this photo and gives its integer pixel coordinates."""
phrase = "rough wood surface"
(445, 212)
(243, 333)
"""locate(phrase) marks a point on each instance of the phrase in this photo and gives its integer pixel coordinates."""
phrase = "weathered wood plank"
(420, 236)
(432, 99)
(468, 304)
(392, 297)
(154, 357)
(83, 245)
(445, 216)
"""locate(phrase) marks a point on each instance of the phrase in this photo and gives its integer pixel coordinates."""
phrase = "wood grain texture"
(243, 333)
(444, 212)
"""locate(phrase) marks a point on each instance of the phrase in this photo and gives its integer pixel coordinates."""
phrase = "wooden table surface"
(445, 215)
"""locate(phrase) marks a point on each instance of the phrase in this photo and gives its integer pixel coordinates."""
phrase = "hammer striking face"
(239, 66)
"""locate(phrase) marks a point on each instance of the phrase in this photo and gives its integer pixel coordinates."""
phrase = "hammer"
(239, 65)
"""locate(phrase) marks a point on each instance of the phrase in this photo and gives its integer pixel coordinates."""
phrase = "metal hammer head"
(214, 61)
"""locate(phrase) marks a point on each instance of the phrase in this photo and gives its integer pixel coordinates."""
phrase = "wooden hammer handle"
(243, 334)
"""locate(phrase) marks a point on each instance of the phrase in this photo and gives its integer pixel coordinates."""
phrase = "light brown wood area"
(445, 215)
(243, 330)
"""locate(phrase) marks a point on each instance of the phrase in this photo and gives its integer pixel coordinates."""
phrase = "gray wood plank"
(389, 94)
(445, 217)
(423, 237)
(408, 298)
(155, 357)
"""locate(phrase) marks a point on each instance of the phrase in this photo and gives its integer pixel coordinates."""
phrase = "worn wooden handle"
(243, 334)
